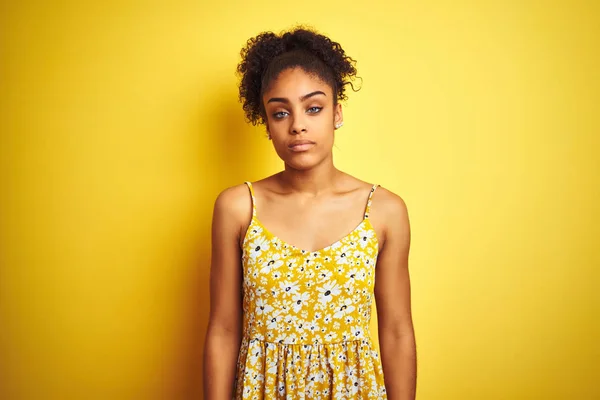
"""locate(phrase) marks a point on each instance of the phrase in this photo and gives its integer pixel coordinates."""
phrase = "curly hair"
(266, 55)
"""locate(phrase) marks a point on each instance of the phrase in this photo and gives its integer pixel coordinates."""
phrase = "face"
(301, 118)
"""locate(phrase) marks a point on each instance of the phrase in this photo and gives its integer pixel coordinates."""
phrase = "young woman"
(298, 257)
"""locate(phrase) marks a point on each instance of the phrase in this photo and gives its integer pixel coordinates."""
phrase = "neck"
(314, 181)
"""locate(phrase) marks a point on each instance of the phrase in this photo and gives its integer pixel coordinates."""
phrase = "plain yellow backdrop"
(120, 124)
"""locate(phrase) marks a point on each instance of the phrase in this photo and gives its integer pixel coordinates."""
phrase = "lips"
(301, 145)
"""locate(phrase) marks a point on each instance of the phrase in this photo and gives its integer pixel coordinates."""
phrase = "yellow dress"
(306, 317)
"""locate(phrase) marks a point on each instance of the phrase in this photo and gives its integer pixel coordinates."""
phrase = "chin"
(303, 162)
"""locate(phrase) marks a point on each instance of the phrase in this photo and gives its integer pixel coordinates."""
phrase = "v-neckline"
(364, 221)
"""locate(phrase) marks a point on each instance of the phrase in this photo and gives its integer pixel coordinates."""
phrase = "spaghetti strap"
(252, 197)
(369, 201)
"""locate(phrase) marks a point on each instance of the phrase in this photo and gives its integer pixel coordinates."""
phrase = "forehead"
(295, 82)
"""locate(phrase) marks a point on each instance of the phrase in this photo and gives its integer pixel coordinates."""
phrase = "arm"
(223, 335)
(392, 297)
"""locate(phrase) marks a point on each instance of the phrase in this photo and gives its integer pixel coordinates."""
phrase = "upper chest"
(310, 223)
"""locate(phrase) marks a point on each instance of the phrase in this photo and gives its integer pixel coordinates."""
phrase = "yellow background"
(120, 124)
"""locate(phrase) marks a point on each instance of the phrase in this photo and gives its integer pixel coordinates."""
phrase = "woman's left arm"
(392, 297)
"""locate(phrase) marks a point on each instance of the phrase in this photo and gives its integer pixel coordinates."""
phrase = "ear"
(338, 116)
(268, 132)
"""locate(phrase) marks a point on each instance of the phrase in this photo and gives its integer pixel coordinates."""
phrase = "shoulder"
(234, 198)
(389, 203)
(390, 212)
(234, 204)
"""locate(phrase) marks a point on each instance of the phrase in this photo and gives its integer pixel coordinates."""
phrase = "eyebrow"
(302, 98)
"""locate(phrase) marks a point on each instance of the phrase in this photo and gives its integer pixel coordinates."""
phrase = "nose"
(298, 126)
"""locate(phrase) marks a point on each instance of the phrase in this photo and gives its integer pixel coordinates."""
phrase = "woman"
(298, 257)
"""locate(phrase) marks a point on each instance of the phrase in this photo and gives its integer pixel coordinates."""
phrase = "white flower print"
(342, 254)
(272, 367)
(281, 337)
(353, 386)
(351, 274)
(274, 322)
(312, 327)
(290, 319)
(292, 264)
(350, 370)
(291, 339)
(357, 332)
(340, 392)
(307, 261)
(299, 300)
(362, 275)
(346, 308)
(262, 306)
(255, 356)
(325, 275)
(328, 290)
(271, 263)
(365, 237)
(256, 230)
(257, 246)
(336, 245)
(289, 288)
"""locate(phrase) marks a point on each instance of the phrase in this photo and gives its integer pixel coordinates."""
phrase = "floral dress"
(306, 317)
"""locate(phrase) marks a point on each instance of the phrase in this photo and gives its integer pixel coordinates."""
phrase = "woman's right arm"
(224, 331)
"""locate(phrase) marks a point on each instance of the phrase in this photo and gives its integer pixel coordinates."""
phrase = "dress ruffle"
(345, 370)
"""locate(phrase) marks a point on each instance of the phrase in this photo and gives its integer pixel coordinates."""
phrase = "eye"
(279, 114)
(314, 110)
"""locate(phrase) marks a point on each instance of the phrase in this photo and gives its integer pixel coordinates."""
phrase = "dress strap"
(253, 198)
(370, 200)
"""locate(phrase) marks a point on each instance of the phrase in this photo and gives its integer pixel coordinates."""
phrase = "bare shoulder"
(234, 205)
(389, 204)
(234, 199)
(389, 214)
